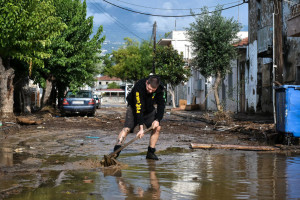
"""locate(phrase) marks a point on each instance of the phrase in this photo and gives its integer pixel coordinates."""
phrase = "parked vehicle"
(98, 100)
(81, 102)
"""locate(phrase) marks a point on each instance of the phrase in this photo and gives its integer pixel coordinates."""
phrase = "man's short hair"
(154, 81)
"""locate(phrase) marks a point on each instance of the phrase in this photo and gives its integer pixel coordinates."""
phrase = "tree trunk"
(6, 90)
(216, 86)
(172, 92)
(47, 92)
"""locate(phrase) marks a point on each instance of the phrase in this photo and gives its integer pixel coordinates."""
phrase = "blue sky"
(118, 23)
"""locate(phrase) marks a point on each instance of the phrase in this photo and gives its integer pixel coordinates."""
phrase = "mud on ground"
(58, 143)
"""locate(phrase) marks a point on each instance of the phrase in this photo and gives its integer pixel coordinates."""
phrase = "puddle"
(6, 157)
(9, 157)
(179, 174)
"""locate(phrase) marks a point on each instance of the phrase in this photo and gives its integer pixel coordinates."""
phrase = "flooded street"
(180, 174)
(60, 160)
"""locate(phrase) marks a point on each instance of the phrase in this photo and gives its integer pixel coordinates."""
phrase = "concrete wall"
(291, 49)
(188, 91)
(210, 104)
(230, 82)
(113, 99)
(193, 89)
(251, 78)
(260, 16)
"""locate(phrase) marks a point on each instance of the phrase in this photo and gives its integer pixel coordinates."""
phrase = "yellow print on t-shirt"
(138, 102)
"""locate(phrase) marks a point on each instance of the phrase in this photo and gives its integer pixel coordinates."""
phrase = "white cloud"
(100, 18)
(163, 24)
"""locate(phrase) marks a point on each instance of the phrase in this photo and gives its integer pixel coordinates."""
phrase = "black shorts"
(131, 120)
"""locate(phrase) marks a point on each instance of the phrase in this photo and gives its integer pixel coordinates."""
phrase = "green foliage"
(211, 36)
(27, 27)
(113, 85)
(74, 54)
(170, 66)
(131, 62)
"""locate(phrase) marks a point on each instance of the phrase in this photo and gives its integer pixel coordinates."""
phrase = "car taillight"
(91, 101)
(65, 102)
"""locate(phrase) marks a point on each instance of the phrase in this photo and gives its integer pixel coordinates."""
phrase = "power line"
(156, 15)
(117, 22)
(173, 8)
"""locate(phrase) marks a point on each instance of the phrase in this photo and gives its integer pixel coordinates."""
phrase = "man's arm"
(139, 104)
(161, 103)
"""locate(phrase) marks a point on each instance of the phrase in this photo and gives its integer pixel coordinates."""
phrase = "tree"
(26, 29)
(75, 53)
(113, 85)
(131, 62)
(170, 67)
(211, 36)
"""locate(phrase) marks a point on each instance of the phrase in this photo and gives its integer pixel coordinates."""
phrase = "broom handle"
(128, 143)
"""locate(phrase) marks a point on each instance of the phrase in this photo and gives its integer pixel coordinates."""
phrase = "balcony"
(265, 41)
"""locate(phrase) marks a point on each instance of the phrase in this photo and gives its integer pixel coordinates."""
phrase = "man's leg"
(154, 137)
(153, 140)
(122, 135)
(129, 124)
(121, 139)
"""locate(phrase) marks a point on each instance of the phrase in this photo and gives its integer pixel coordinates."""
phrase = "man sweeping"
(141, 111)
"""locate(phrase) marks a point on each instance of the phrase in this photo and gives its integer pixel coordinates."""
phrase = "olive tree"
(211, 36)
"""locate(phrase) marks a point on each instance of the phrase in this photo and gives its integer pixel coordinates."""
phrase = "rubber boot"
(116, 148)
(150, 154)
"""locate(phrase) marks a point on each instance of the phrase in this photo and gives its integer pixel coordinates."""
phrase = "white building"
(199, 90)
(193, 90)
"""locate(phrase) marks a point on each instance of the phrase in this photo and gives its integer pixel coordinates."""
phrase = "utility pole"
(278, 41)
(154, 47)
(277, 51)
(274, 72)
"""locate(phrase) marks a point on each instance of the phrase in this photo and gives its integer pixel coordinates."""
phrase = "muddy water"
(180, 174)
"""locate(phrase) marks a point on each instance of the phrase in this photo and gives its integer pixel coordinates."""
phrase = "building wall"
(251, 78)
(291, 50)
(231, 89)
(200, 90)
(260, 17)
(190, 90)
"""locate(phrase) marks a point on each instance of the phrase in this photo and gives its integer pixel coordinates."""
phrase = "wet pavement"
(59, 159)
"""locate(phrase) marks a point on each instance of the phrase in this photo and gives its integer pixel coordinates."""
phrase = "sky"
(120, 23)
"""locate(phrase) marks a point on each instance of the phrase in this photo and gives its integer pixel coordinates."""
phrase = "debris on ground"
(28, 121)
(231, 146)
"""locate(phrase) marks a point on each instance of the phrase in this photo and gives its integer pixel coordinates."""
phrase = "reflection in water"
(6, 157)
(214, 174)
(132, 191)
(293, 177)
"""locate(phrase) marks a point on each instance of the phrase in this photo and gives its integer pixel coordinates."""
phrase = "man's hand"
(155, 124)
(141, 132)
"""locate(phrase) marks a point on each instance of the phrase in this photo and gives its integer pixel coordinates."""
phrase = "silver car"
(81, 102)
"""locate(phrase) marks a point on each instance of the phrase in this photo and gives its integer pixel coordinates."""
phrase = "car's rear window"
(80, 94)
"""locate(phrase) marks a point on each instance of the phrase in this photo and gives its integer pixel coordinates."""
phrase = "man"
(141, 111)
